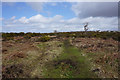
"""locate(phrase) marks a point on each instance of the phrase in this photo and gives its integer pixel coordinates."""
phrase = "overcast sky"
(61, 16)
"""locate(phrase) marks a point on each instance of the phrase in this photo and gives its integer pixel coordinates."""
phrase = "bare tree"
(86, 27)
(55, 31)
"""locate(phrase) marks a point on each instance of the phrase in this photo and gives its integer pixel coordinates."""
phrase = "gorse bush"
(27, 36)
(44, 36)
(44, 39)
(9, 38)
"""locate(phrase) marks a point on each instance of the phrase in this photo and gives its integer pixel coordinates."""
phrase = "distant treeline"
(104, 35)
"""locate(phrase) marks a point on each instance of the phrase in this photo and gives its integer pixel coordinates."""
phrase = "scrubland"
(60, 55)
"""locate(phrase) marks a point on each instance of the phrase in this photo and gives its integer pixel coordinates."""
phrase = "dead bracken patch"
(12, 71)
(16, 55)
(4, 50)
(19, 55)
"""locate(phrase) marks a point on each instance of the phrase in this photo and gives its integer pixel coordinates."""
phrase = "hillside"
(60, 55)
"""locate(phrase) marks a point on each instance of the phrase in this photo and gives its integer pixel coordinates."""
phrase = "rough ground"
(28, 59)
(103, 55)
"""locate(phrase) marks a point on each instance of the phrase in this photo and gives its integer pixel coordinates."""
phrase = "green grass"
(70, 64)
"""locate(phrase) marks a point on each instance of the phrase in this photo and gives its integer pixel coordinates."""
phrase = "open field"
(60, 55)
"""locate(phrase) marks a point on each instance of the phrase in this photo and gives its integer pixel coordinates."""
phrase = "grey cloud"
(38, 6)
(95, 9)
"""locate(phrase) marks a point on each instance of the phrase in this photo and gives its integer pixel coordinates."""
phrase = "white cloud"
(39, 23)
(12, 18)
(23, 20)
(38, 18)
(1, 24)
(41, 19)
(1, 19)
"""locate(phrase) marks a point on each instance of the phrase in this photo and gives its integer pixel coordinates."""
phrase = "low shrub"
(44, 39)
